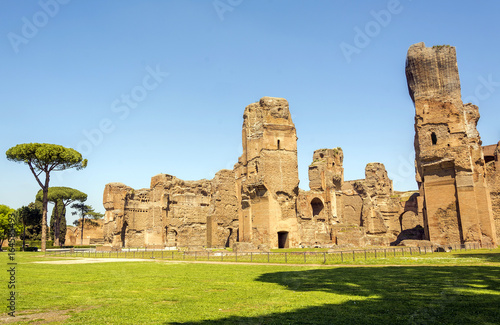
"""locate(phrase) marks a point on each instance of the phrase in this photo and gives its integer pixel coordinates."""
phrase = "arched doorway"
(317, 206)
(171, 237)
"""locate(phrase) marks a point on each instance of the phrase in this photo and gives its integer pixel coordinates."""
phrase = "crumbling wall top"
(432, 72)
(268, 110)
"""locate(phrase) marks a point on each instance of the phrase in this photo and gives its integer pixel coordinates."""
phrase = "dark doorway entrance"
(283, 239)
(229, 239)
(317, 206)
(124, 233)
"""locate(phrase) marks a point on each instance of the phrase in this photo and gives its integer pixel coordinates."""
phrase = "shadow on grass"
(389, 295)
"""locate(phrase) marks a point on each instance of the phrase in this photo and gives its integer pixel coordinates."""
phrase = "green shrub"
(29, 249)
(35, 243)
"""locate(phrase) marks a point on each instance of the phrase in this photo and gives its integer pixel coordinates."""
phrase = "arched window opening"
(317, 206)
(321, 155)
(171, 237)
(278, 144)
(434, 138)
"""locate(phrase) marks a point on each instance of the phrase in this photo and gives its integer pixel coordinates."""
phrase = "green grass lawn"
(444, 288)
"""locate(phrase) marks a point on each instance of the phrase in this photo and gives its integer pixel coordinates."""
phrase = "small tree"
(85, 211)
(31, 219)
(61, 197)
(5, 223)
(45, 158)
(58, 217)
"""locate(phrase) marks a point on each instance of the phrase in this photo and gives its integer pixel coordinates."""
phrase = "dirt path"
(93, 260)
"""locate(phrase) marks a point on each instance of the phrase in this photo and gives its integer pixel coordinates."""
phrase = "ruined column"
(267, 175)
(114, 201)
(450, 168)
(492, 158)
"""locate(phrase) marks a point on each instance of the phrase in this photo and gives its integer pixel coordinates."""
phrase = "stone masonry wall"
(492, 158)
(258, 204)
(450, 168)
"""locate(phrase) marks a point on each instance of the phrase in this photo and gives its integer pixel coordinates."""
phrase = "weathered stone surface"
(377, 181)
(449, 158)
(317, 209)
(346, 236)
(410, 220)
(415, 243)
(267, 175)
(114, 201)
(371, 203)
(222, 223)
(172, 212)
(492, 159)
(186, 210)
(258, 204)
(244, 247)
(326, 170)
(92, 234)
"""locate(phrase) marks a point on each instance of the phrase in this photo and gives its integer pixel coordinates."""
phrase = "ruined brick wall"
(92, 234)
(258, 203)
(450, 168)
(359, 212)
(372, 204)
(317, 208)
(222, 222)
(267, 175)
(114, 201)
(326, 171)
(492, 158)
(172, 212)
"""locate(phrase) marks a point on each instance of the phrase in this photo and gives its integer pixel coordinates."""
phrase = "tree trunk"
(24, 230)
(83, 222)
(44, 214)
(56, 224)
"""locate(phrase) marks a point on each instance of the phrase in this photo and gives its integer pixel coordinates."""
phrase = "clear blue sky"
(167, 82)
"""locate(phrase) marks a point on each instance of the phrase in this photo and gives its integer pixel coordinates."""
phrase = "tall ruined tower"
(267, 175)
(450, 167)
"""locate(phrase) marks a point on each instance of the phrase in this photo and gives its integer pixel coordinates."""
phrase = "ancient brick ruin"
(450, 165)
(92, 234)
(258, 204)
(492, 160)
